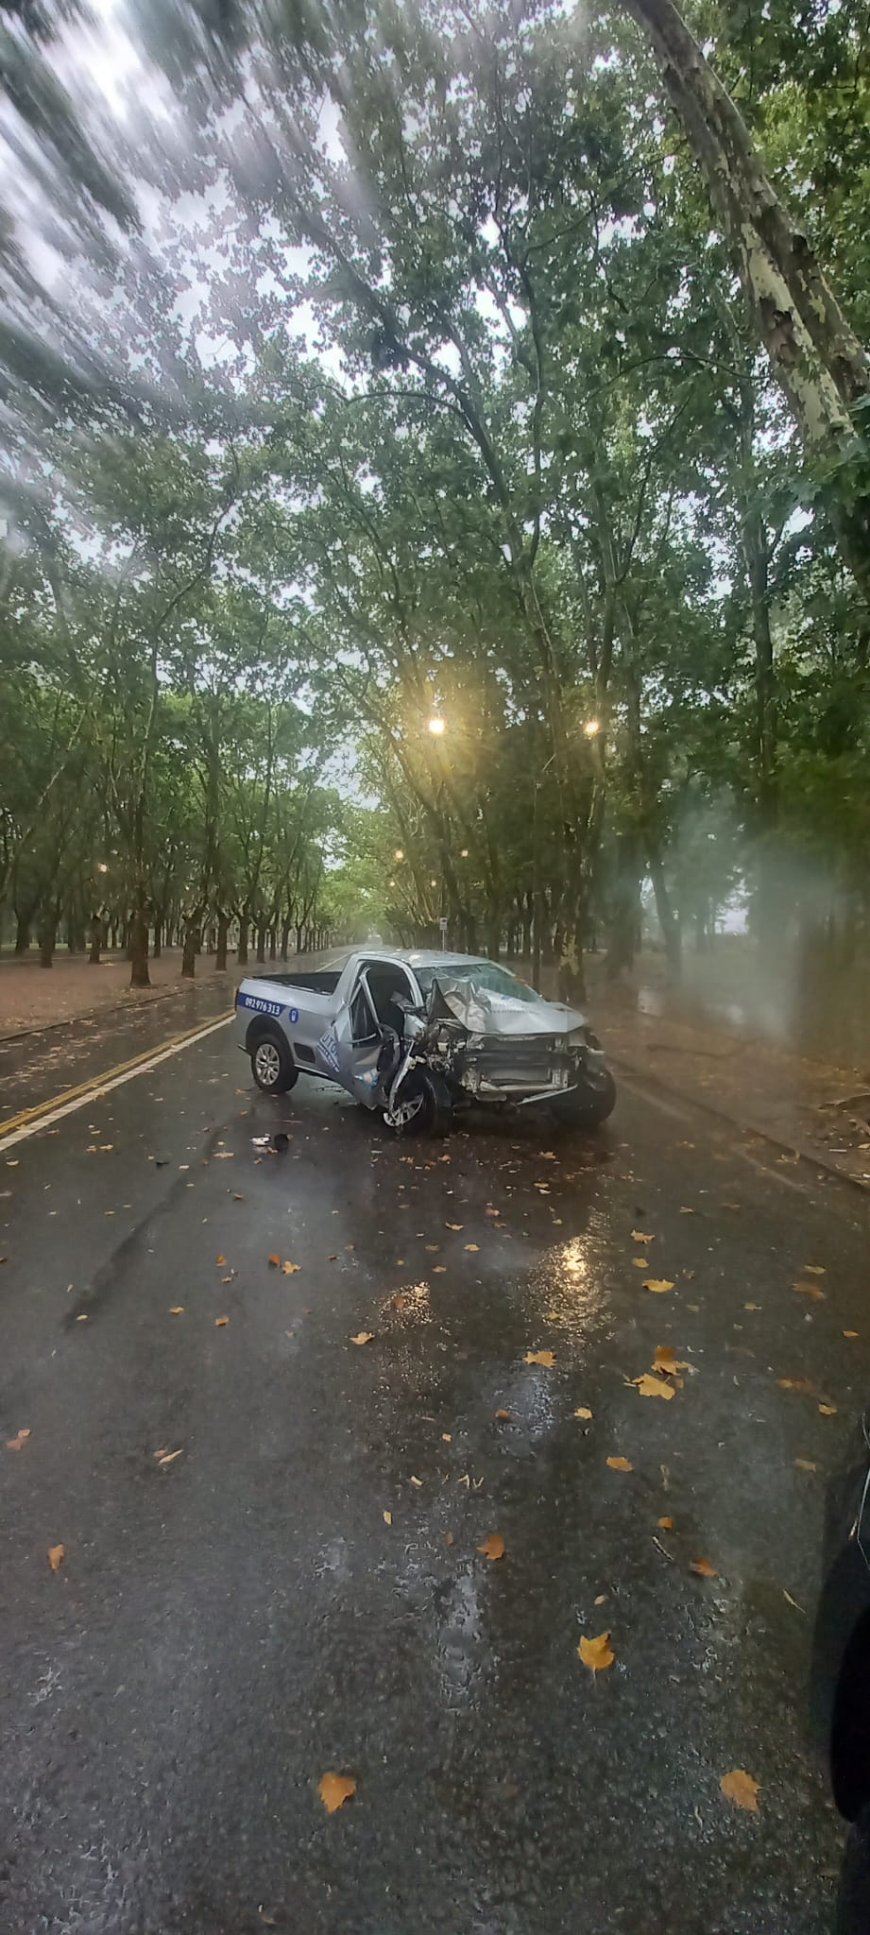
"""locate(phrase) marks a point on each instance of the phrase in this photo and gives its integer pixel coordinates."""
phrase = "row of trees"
(508, 372)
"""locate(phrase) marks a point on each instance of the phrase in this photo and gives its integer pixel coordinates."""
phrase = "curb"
(798, 1149)
(152, 996)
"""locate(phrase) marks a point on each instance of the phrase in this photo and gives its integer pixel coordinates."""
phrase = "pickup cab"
(416, 1035)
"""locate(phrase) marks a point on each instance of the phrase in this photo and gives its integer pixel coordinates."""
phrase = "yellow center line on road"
(28, 1121)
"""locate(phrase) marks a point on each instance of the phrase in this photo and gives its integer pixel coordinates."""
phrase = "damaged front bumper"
(520, 1071)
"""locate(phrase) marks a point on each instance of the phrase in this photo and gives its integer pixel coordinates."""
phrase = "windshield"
(478, 974)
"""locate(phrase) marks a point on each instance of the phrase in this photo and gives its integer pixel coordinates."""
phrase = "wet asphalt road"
(229, 1626)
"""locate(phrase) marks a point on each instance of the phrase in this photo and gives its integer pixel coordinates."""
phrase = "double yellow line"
(69, 1096)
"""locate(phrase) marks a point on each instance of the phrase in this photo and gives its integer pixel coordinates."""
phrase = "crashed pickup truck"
(418, 1036)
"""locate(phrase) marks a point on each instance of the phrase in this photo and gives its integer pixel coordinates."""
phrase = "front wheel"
(423, 1106)
(853, 1901)
(587, 1106)
(272, 1065)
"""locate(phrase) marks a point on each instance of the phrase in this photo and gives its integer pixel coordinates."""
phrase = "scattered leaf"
(168, 1457)
(543, 1357)
(274, 1261)
(448, 1538)
(224, 1155)
(809, 1290)
(740, 1788)
(752, 1306)
(650, 1386)
(596, 1653)
(388, 1518)
(703, 1569)
(583, 1411)
(363, 1337)
(620, 1464)
(335, 1789)
(666, 1524)
(417, 1481)
(795, 1384)
(806, 1464)
(851, 1333)
(220, 1323)
(82, 1317)
(638, 1236)
(56, 1556)
(447, 1437)
(814, 1270)
(828, 1410)
(454, 1226)
(493, 1546)
(221, 1262)
(640, 1262)
(472, 1248)
(600, 1599)
(291, 1269)
(658, 1285)
(19, 1441)
(176, 1310)
(502, 1417)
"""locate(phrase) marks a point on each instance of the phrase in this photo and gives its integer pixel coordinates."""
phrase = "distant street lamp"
(102, 867)
(399, 854)
(463, 853)
(437, 726)
(433, 883)
(592, 728)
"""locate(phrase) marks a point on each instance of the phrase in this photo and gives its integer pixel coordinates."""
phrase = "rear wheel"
(590, 1104)
(423, 1107)
(272, 1065)
(853, 1901)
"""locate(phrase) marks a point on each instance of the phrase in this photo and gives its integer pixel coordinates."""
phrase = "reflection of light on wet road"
(569, 1282)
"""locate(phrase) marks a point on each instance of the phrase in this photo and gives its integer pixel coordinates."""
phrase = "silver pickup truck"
(417, 1036)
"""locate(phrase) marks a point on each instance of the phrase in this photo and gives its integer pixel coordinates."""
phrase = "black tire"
(432, 1107)
(853, 1900)
(272, 1064)
(587, 1107)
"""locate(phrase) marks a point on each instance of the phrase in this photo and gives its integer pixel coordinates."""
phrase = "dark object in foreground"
(840, 1686)
(417, 1036)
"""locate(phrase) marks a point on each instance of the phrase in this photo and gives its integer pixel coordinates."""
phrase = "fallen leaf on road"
(658, 1285)
(224, 1155)
(793, 1602)
(600, 1599)
(752, 1306)
(851, 1333)
(56, 1556)
(454, 1226)
(493, 1546)
(274, 1261)
(637, 1236)
(82, 1317)
(620, 1464)
(502, 1417)
(665, 1358)
(828, 1410)
(472, 1248)
(740, 1788)
(221, 1262)
(168, 1457)
(489, 1211)
(796, 1384)
(176, 1310)
(291, 1269)
(583, 1411)
(815, 1270)
(806, 1464)
(18, 1442)
(809, 1290)
(596, 1653)
(666, 1524)
(544, 1357)
(650, 1386)
(335, 1789)
(417, 1481)
(221, 1322)
(388, 1518)
(703, 1569)
(439, 1270)
(363, 1337)
(640, 1262)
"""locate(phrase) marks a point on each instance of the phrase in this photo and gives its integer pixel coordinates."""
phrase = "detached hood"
(483, 1013)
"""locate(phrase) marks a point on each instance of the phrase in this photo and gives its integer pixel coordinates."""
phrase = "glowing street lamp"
(102, 867)
(399, 854)
(463, 853)
(433, 883)
(592, 728)
(437, 726)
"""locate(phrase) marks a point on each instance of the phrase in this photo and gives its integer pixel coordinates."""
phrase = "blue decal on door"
(294, 1015)
(328, 1047)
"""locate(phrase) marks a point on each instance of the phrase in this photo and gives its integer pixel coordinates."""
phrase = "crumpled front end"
(509, 1052)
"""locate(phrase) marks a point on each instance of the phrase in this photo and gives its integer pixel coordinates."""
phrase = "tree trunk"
(138, 948)
(285, 937)
(190, 949)
(242, 949)
(96, 940)
(22, 933)
(668, 922)
(813, 351)
(47, 940)
(157, 943)
(221, 954)
(261, 943)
